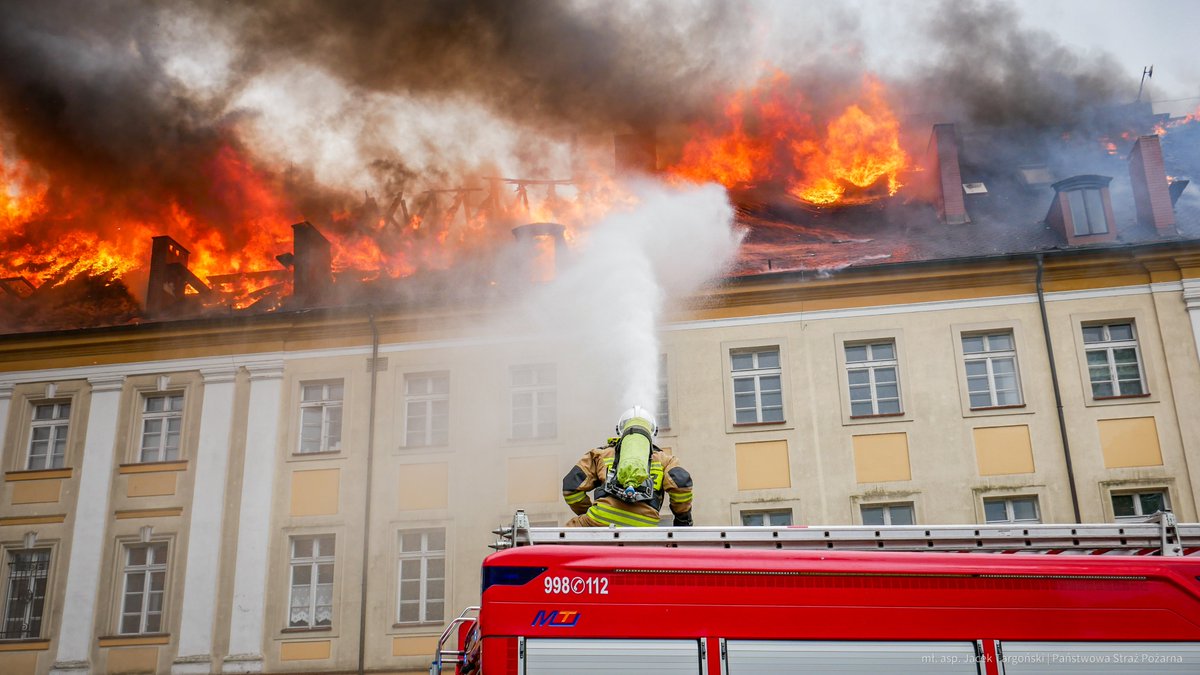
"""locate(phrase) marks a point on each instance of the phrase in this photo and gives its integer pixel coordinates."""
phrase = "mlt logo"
(556, 618)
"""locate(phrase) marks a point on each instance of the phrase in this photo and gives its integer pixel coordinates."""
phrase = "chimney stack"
(168, 275)
(542, 248)
(1151, 193)
(942, 156)
(312, 265)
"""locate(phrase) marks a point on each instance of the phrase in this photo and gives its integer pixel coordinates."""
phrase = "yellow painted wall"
(150, 484)
(423, 486)
(414, 646)
(1130, 442)
(533, 479)
(305, 651)
(133, 660)
(1003, 450)
(763, 465)
(19, 663)
(315, 493)
(36, 491)
(881, 457)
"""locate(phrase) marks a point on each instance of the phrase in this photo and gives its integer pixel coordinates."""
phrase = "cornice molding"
(218, 374)
(104, 382)
(265, 370)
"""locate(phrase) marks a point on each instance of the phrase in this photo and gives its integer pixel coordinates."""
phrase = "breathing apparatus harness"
(630, 481)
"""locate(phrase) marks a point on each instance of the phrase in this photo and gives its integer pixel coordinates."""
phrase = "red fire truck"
(1115, 598)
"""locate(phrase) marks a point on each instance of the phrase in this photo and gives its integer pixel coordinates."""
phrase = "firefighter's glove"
(684, 520)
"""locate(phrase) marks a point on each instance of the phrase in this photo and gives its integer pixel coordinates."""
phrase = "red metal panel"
(782, 594)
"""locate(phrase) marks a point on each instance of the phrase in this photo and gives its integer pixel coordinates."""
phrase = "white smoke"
(602, 312)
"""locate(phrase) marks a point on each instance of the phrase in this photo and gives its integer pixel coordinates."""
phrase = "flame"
(767, 135)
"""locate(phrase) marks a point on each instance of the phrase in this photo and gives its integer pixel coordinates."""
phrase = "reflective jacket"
(591, 471)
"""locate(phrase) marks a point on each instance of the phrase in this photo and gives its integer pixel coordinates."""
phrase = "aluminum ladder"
(1158, 534)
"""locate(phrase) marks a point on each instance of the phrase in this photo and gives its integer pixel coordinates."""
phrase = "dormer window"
(1082, 210)
(1087, 210)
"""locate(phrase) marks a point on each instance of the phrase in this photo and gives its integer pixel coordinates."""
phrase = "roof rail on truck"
(1158, 534)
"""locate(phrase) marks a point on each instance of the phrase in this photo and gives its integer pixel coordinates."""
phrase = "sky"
(1159, 33)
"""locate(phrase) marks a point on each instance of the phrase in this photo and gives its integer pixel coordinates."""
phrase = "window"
(1087, 210)
(776, 518)
(48, 436)
(321, 416)
(426, 409)
(145, 580)
(421, 597)
(534, 401)
(872, 373)
(162, 419)
(310, 602)
(663, 412)
(991, 363)
(1114, 367)
(887, 514)
(25, 599)
(757, 386)
(1137, 505)
(1014, 510)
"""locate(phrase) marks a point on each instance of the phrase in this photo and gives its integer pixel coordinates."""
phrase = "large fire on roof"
(220, 133)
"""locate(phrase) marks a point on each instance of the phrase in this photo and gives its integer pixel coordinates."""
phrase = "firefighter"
(630, 476)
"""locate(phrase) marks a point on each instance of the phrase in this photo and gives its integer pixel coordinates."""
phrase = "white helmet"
(637, 412)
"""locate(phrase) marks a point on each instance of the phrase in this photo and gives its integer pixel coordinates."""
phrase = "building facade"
(314, 491)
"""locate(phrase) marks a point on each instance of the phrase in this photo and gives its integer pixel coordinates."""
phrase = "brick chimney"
(169, 278)
(542, 248)
(942, 157)
(636, 152)
(1151, 193)
(312, 261)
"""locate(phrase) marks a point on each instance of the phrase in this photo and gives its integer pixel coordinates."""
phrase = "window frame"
(429, 400)
(8, 553)
(325, 404)
(871, 364)
(662, 413)
(766, 515)
(148, 569)
(421, 555)
(53, 423)
(887, 512)
(164, 415)
(1010, 511)
(537, 390)
(1136, 493)
(756, 373)
(1086, 207)
(1108, 346)
(988, 356)
(314, 562)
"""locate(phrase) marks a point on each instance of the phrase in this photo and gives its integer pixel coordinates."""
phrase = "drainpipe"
(366, 549)
(1062, 421)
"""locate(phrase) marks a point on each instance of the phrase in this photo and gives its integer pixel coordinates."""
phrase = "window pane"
(1133, 388)
(891, 407)
(781, 518)
(772, 415)
(1120, 331)
(995, 512)
(742, 385)
(1152, 502)
(1094, 205)
(872, 515)
(977, 368)
(768, 359)
(981, 400)
(745, 416)
(1123, 506)
(901, 515)
(1000, 342)
(742, 361)
(859, 377)
(1024, 509)
(856, 353)
(43, 412)
(972, 344)
(884, 351)
(1101, 390)
(752, 519)
(302, 547)
(1078, 212)
(769, 383)
(1093, 334)
(860, 409)
(885, 375)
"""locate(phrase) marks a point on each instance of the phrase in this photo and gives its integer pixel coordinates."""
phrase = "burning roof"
(155, 186)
